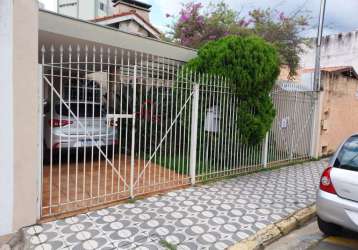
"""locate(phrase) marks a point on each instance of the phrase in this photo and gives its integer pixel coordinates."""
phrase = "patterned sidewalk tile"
(211, 216)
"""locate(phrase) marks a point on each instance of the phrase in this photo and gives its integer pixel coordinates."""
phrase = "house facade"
(25, 31)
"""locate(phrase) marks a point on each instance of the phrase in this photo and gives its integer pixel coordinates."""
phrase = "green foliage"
(252, 65)
(167, 245)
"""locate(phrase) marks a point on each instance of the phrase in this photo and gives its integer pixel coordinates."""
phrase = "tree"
(252, 67)
(194, 27)
(283, 32)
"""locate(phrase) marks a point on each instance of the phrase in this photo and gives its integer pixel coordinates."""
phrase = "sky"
(340, 14)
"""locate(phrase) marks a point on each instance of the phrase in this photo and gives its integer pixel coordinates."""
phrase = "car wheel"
(328, 228)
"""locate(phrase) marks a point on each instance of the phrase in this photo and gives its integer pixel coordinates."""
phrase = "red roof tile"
(335, 69)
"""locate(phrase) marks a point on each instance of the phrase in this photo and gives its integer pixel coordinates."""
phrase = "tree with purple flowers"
(194, 27)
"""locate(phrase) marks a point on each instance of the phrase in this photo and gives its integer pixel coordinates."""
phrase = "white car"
(337, 197)
(85, 126)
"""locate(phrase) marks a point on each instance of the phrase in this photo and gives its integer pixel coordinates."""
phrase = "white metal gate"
(118, 124)
(291, 134)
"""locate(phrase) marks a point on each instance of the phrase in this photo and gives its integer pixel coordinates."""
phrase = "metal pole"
(317, 81)
(40, 143)
(133, 132)
(317, 72)
(265, 151)
(293, 127)
(194, 132)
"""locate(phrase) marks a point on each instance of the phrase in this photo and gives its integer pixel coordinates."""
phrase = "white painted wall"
(18, 106)
(337, 50)
(68, 7)
(6, 124)
(85, 9)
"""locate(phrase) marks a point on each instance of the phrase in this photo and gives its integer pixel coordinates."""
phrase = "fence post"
(293, 128)
(40, 138)
(265, 151)
(194, 132)
(316, 118)
(133, 132)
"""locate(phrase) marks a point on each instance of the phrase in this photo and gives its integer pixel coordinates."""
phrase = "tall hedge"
(252, 65)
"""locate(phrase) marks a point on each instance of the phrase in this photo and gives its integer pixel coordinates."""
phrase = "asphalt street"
(311, 238)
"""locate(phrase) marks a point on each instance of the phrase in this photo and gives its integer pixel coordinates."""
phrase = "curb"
(275, 231)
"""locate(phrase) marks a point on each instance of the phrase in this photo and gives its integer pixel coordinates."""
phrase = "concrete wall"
(19, 104)
(6, 124)
(337, 50)
(339, 117)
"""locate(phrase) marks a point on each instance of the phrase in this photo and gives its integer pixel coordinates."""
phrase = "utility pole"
(317, 71)
(317, 84)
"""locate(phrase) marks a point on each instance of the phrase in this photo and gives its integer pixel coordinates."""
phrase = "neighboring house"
(337, 50)
(338, 102)
(85, 9)
(339, 86)
(339, 106)
(130, 22)
(126, 15)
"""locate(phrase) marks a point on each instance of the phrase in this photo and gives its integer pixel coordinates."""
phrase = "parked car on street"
(337, 197)
(84, 126)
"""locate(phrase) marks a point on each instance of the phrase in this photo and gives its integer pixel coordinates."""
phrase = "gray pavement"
(212, 216)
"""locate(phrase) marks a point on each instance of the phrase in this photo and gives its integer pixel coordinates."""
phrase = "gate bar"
(133, 132)
(194, 132)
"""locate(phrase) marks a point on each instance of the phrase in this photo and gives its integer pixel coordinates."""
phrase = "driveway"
(212, 216)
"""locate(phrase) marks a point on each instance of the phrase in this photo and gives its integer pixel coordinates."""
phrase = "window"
(79, 109)
(348, 156)
(92, 90)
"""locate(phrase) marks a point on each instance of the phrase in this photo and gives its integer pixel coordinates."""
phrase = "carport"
(67, 48)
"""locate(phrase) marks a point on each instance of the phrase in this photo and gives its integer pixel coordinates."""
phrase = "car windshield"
(80, 110)
(348, 156)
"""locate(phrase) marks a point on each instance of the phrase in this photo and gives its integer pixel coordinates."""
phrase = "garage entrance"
(110, 127)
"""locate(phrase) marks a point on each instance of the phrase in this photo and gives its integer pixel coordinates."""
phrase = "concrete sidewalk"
(213, 216)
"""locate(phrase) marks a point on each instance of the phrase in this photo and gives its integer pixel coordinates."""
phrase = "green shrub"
(252, 67)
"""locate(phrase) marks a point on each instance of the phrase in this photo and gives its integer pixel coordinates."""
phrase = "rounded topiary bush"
(252, 67)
